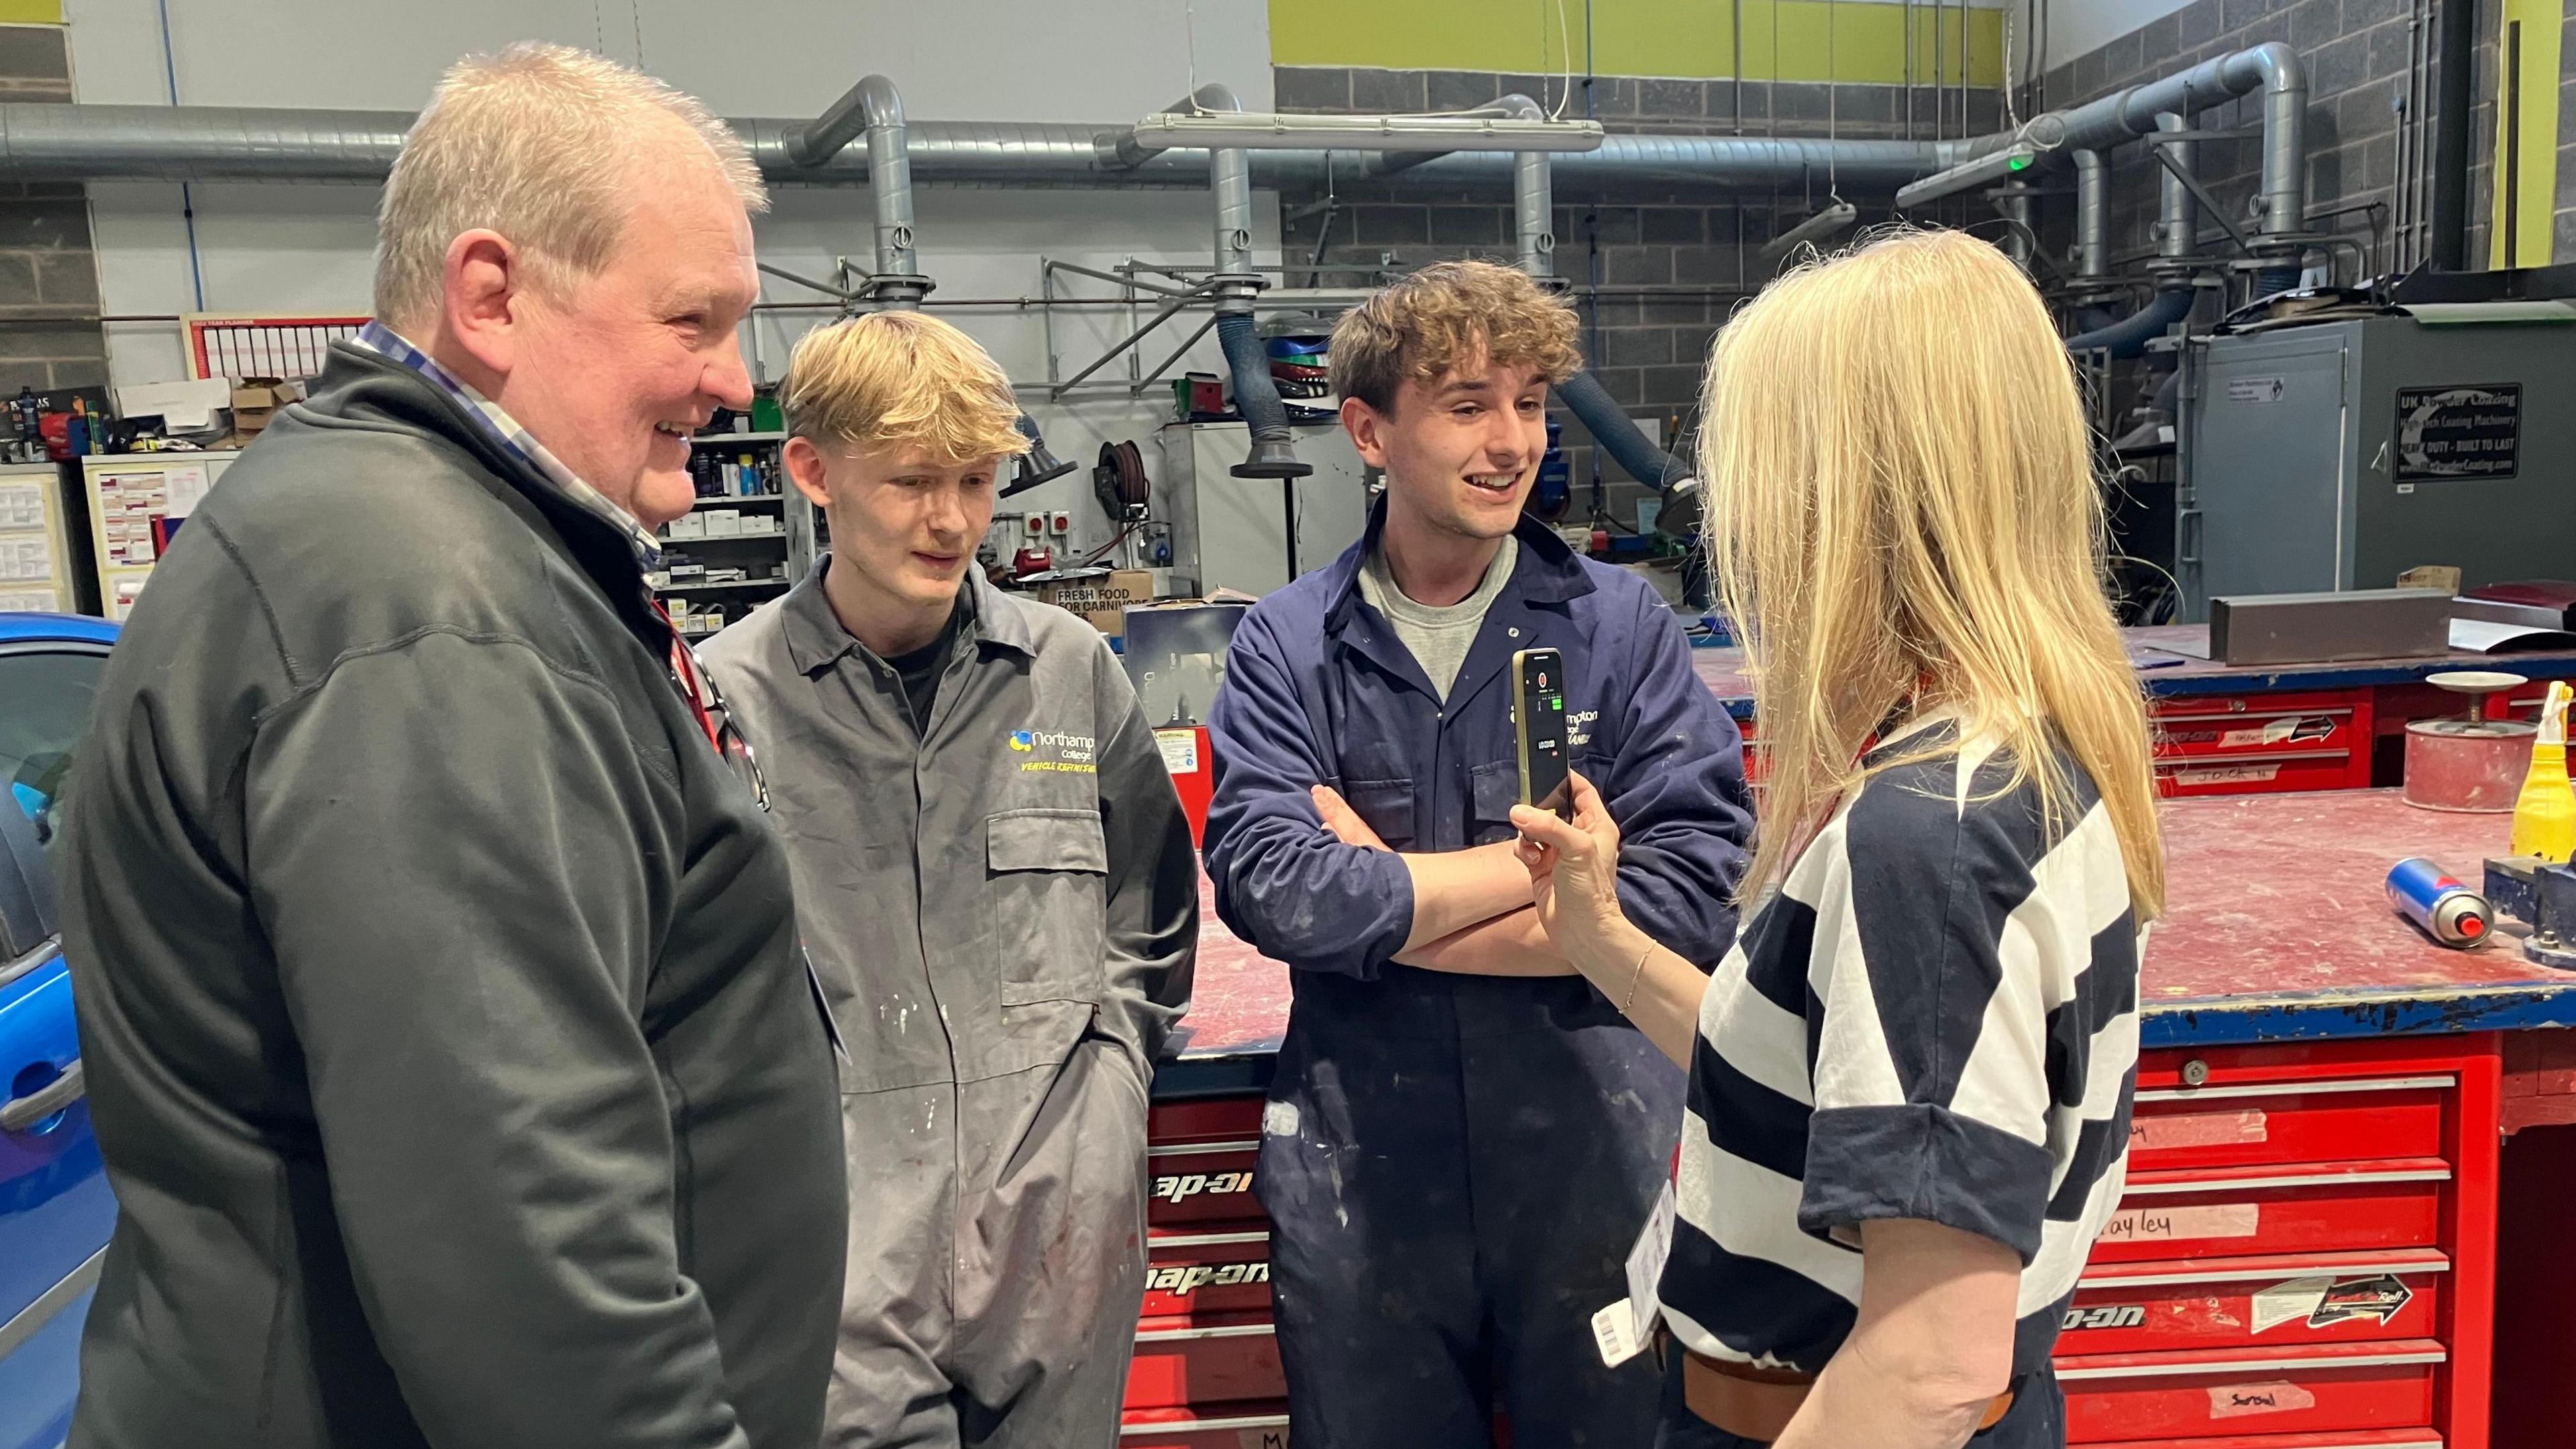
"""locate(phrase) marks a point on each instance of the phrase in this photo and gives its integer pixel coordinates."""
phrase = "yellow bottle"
(2544, 815)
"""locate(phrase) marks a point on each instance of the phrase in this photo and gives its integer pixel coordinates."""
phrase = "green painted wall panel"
(1799, 40)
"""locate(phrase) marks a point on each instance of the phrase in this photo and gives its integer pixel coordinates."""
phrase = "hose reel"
(1118, 481)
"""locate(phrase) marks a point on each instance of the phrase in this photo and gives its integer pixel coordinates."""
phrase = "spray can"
(2446, 910)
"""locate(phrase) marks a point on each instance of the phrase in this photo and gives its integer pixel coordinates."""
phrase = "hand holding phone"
(1538, 728)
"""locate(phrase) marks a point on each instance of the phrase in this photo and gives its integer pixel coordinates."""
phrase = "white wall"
(2078, 26)
(278, 248)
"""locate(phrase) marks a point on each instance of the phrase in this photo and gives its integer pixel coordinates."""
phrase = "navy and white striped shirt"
(1935, 1018)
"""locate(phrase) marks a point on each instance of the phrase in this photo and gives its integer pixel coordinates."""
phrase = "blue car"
(55, 1208)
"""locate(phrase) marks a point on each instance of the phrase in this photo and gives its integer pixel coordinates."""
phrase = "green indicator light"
(1560, 706)
(2018, 163)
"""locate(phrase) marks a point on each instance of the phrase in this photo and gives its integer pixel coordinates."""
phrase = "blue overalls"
(1455, 1166)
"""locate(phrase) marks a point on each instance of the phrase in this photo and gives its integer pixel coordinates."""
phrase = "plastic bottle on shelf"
(2544, 816)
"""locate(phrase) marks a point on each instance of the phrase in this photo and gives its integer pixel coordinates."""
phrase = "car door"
(55, 1208)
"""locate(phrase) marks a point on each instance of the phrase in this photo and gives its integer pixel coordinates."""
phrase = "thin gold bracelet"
(1636, 976)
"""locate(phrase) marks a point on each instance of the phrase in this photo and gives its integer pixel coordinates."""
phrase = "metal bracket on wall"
(2156, 147)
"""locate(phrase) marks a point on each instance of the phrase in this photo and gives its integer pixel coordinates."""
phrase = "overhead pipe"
(1617, 435)
(2272, 68)
(2177, 210)
(1234, 287)
(1534, 206)
(2177, 246)
(47, 142)
(2128, 337)
(2454, 118)
(1533, 194)
(83, 142)
(874, 108)
(2092, 215)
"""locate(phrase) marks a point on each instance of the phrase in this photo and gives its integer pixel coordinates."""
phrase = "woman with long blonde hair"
(1910, 1079)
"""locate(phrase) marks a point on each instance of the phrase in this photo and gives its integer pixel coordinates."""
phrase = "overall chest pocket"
(1387, 806)
(1048, 883)
(1493, 788)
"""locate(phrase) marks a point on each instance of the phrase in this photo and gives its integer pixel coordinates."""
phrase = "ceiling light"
(1991, 167)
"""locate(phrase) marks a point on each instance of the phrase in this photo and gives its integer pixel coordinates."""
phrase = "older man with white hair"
(458, 1072)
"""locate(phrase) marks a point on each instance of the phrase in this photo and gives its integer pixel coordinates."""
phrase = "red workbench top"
(2277, 928)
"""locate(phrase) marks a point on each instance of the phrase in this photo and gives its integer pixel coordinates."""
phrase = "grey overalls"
(1003, 914)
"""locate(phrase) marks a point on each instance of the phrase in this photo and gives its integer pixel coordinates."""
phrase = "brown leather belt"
(1757, 1403)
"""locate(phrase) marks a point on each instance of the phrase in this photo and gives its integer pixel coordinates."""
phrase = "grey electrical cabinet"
(2340, 454)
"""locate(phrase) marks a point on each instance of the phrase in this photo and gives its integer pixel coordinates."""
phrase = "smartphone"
(1538, 726)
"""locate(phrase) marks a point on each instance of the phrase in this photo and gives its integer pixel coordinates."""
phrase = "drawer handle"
(21, 1113)
(2285, 1089)
(1230, 1330)
(2308, 1179)
(2225, 1273)
(1280, 1421)
(1204, 1240)
(1192, 1149)
(2319, 1364)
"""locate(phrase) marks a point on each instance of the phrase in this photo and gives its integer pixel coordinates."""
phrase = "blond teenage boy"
(996, 882)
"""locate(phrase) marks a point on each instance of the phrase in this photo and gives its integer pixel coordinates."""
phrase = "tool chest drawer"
(2317, 1389)
(2345, 1439)
(2222, 1212)
(2323, 1121)
(1236, 1426)
(2237, 744)
(1205, 1359)
(1188, 1274)
(1199, 1156)
(2242, 1302)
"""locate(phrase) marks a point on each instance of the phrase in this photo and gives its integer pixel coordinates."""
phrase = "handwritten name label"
(2160, 1225)
(2236, 1401)
(2197, 1129)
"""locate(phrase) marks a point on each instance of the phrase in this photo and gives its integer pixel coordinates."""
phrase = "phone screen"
(1538, 724)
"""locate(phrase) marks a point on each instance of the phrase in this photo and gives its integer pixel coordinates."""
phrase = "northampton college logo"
(1053, 751)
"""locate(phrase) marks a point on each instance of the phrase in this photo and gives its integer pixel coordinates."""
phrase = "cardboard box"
(1103, 600)
(721, 522)
(255, 401)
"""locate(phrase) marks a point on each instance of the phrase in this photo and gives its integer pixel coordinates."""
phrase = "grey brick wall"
(49, 329)
(1655, 273)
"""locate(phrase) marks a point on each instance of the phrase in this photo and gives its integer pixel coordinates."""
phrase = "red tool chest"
(2303, 1258)
(2262, 743)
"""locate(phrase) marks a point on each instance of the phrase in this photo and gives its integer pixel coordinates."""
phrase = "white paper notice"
(25, 558)
(22, 505)
(2160, 1225)
(2288, 1302)
(187, 485)
(1180, 750)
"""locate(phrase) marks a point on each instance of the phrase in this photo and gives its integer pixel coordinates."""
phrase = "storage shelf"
(774, 535)
(711, 439)
(711, 502)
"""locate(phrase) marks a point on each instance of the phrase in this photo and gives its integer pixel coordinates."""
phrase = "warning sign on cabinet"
(2458, 432)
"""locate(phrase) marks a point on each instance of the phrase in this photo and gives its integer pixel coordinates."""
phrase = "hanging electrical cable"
(187, 195)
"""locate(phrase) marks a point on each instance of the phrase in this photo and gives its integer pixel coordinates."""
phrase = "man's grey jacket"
(455, 1066)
